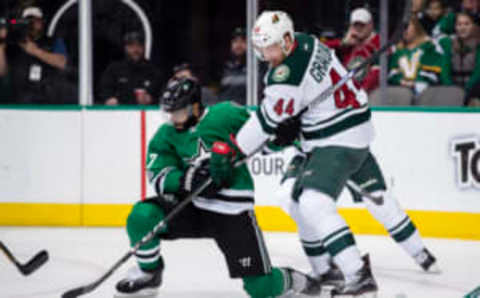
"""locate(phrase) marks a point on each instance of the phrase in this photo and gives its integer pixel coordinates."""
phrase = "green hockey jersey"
(423, 64)
(170, 152)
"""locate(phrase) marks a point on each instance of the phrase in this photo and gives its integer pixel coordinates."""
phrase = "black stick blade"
(35, 263)
(73, 293)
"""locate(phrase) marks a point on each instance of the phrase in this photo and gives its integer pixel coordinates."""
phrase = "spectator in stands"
(435, 10)
(233, 85)
(414, 67)
(35, 62)
(360, 42)
(446, 25)
(463, 52)
(185, 70)
(133, 80)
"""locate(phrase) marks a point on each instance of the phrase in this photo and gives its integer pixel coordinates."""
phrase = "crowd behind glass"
(437, 62)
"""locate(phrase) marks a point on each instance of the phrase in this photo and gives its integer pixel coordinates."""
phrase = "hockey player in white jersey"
(370, 178)
(335, 135)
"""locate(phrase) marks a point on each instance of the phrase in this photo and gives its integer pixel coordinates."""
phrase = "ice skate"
(302, 285)
(139, 284)
(331, 279)
(362, 284)
(427, 261)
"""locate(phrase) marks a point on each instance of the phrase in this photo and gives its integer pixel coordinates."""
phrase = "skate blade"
(364, 295)
(434, 269)
(145, 293)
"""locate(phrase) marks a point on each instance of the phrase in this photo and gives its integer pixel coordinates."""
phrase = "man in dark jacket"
(233, 85)
(133, 80)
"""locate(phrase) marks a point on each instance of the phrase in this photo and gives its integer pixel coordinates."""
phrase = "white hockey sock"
(318, 257)
(319, 212)
(413, 245)
(310, 239)
(349, 262)
(397, 222)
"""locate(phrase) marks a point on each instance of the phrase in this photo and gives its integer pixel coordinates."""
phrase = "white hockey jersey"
(341, 120)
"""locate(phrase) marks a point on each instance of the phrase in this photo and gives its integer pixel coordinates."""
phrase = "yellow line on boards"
(430, 223)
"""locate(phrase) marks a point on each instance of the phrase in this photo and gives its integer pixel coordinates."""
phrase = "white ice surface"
(196, 269)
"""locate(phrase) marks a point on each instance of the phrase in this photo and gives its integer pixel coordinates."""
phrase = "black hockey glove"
(287, 131)
(194, 176)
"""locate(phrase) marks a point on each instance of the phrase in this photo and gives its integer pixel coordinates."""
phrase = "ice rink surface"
(196, 269)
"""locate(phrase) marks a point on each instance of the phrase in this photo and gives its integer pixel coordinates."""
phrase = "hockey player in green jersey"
(179, 159)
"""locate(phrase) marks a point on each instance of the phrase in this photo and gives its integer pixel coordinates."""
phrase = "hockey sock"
(319, 212)
(396, 222)
(142, 219)
(273, 284)
(407, 236)
(311, 242)
(317, 255)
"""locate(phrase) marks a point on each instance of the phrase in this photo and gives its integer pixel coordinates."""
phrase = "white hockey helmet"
(270, 28)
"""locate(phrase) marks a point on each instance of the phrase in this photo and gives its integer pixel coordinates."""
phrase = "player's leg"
(241, 241)
(316, 190)
(390, 214)
(145, 278)
(317, 255)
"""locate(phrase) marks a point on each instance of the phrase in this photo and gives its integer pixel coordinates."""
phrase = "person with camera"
(34, 61)
(133, 80)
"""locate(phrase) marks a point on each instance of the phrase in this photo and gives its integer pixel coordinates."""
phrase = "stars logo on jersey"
(201, 155)
(281, 73)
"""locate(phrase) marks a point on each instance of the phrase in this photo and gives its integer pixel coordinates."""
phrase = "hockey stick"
(38, 260)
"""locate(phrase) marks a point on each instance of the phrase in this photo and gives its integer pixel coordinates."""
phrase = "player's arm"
(236, 116)
(276, 107)
(163, 167)
(169, 177)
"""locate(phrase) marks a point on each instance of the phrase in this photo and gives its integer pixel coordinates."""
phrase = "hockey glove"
(287, 132)
(221, 163)
(194, 177)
